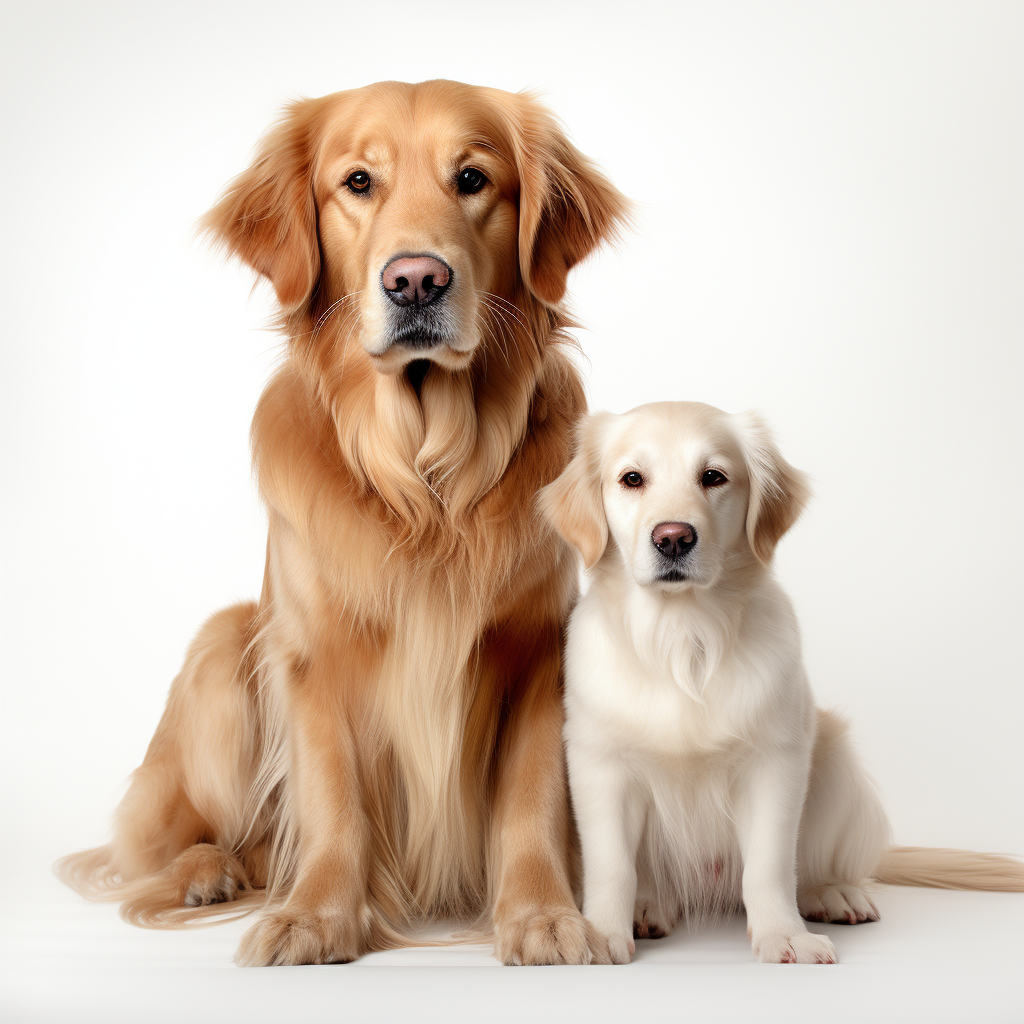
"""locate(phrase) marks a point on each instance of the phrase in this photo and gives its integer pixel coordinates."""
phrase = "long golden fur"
(378, 738)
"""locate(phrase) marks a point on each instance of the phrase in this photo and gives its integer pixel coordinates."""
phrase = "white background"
(830, 230)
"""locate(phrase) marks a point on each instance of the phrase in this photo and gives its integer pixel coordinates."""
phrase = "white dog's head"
(682, 491)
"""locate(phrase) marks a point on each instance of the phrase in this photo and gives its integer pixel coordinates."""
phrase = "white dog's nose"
(674, 540)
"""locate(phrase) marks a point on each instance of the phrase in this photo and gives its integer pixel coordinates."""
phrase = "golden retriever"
(702, 776)
(379, 737)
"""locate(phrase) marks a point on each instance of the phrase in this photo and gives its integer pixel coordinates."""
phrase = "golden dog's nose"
(415, 280)
(674, 539)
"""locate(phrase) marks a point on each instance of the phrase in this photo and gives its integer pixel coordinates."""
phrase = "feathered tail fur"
(940, 868)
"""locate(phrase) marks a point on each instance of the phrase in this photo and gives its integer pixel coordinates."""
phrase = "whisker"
(510, 307)
(501, 325)
(488, 327)
(501, 340)
(502, 322)
(328, 313)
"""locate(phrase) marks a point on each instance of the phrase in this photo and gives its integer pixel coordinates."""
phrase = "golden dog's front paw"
(288, 937)
(549, 935)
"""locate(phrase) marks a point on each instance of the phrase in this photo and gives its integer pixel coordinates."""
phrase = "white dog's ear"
(573, 503)
(778, 491)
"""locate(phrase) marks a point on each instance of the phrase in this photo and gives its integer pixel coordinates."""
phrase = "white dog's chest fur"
(677, 685)
(671, 698)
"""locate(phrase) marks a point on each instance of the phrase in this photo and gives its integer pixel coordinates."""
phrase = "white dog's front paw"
(621, 948)
(615, 924)
(799, 948)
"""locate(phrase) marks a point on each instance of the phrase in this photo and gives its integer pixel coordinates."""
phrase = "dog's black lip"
(673, 576)
(418, 339)
(417, 331)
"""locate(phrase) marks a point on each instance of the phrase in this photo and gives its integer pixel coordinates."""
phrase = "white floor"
(934, 957)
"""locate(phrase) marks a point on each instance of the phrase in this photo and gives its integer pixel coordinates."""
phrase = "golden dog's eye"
(712, 478)
(471, 181)
(632, 479)
(358, 182)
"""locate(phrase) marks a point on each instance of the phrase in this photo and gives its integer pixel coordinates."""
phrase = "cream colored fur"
(703, 777)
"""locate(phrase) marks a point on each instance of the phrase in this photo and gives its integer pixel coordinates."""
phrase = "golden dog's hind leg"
(177, 844)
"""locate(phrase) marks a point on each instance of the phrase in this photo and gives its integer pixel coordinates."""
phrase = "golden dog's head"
(408, 213)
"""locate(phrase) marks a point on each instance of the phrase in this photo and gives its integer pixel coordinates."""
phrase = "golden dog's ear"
(778, 491)
(567, 207)
(573, 503)
(267, 215)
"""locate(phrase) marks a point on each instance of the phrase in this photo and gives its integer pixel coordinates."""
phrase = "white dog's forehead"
(675, 437)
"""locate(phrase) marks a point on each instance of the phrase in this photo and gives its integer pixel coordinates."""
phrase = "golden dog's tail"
(938, 868)
(160, 900)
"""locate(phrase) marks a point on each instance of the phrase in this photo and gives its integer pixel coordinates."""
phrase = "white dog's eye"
(631, 479)
(712, 478)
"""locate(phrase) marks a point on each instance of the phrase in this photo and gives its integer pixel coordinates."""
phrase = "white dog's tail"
(937, 868)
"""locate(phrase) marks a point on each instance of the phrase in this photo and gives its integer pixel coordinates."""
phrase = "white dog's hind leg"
(836, 903)
(652, 918)
(843, 831)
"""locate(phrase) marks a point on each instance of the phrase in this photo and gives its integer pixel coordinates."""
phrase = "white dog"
(703, 778)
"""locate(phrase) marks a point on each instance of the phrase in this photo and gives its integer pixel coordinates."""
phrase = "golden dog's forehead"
(673, 431)
(439, 120)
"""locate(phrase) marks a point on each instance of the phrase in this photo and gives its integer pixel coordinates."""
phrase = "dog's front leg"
(326, 916)
(768, 798)
(609, 819)
(536, 920)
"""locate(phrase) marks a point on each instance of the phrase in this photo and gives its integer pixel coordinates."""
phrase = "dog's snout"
(415, 280)
(674, 539)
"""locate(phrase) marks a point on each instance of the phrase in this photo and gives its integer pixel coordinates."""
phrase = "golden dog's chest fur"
(435, 673)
